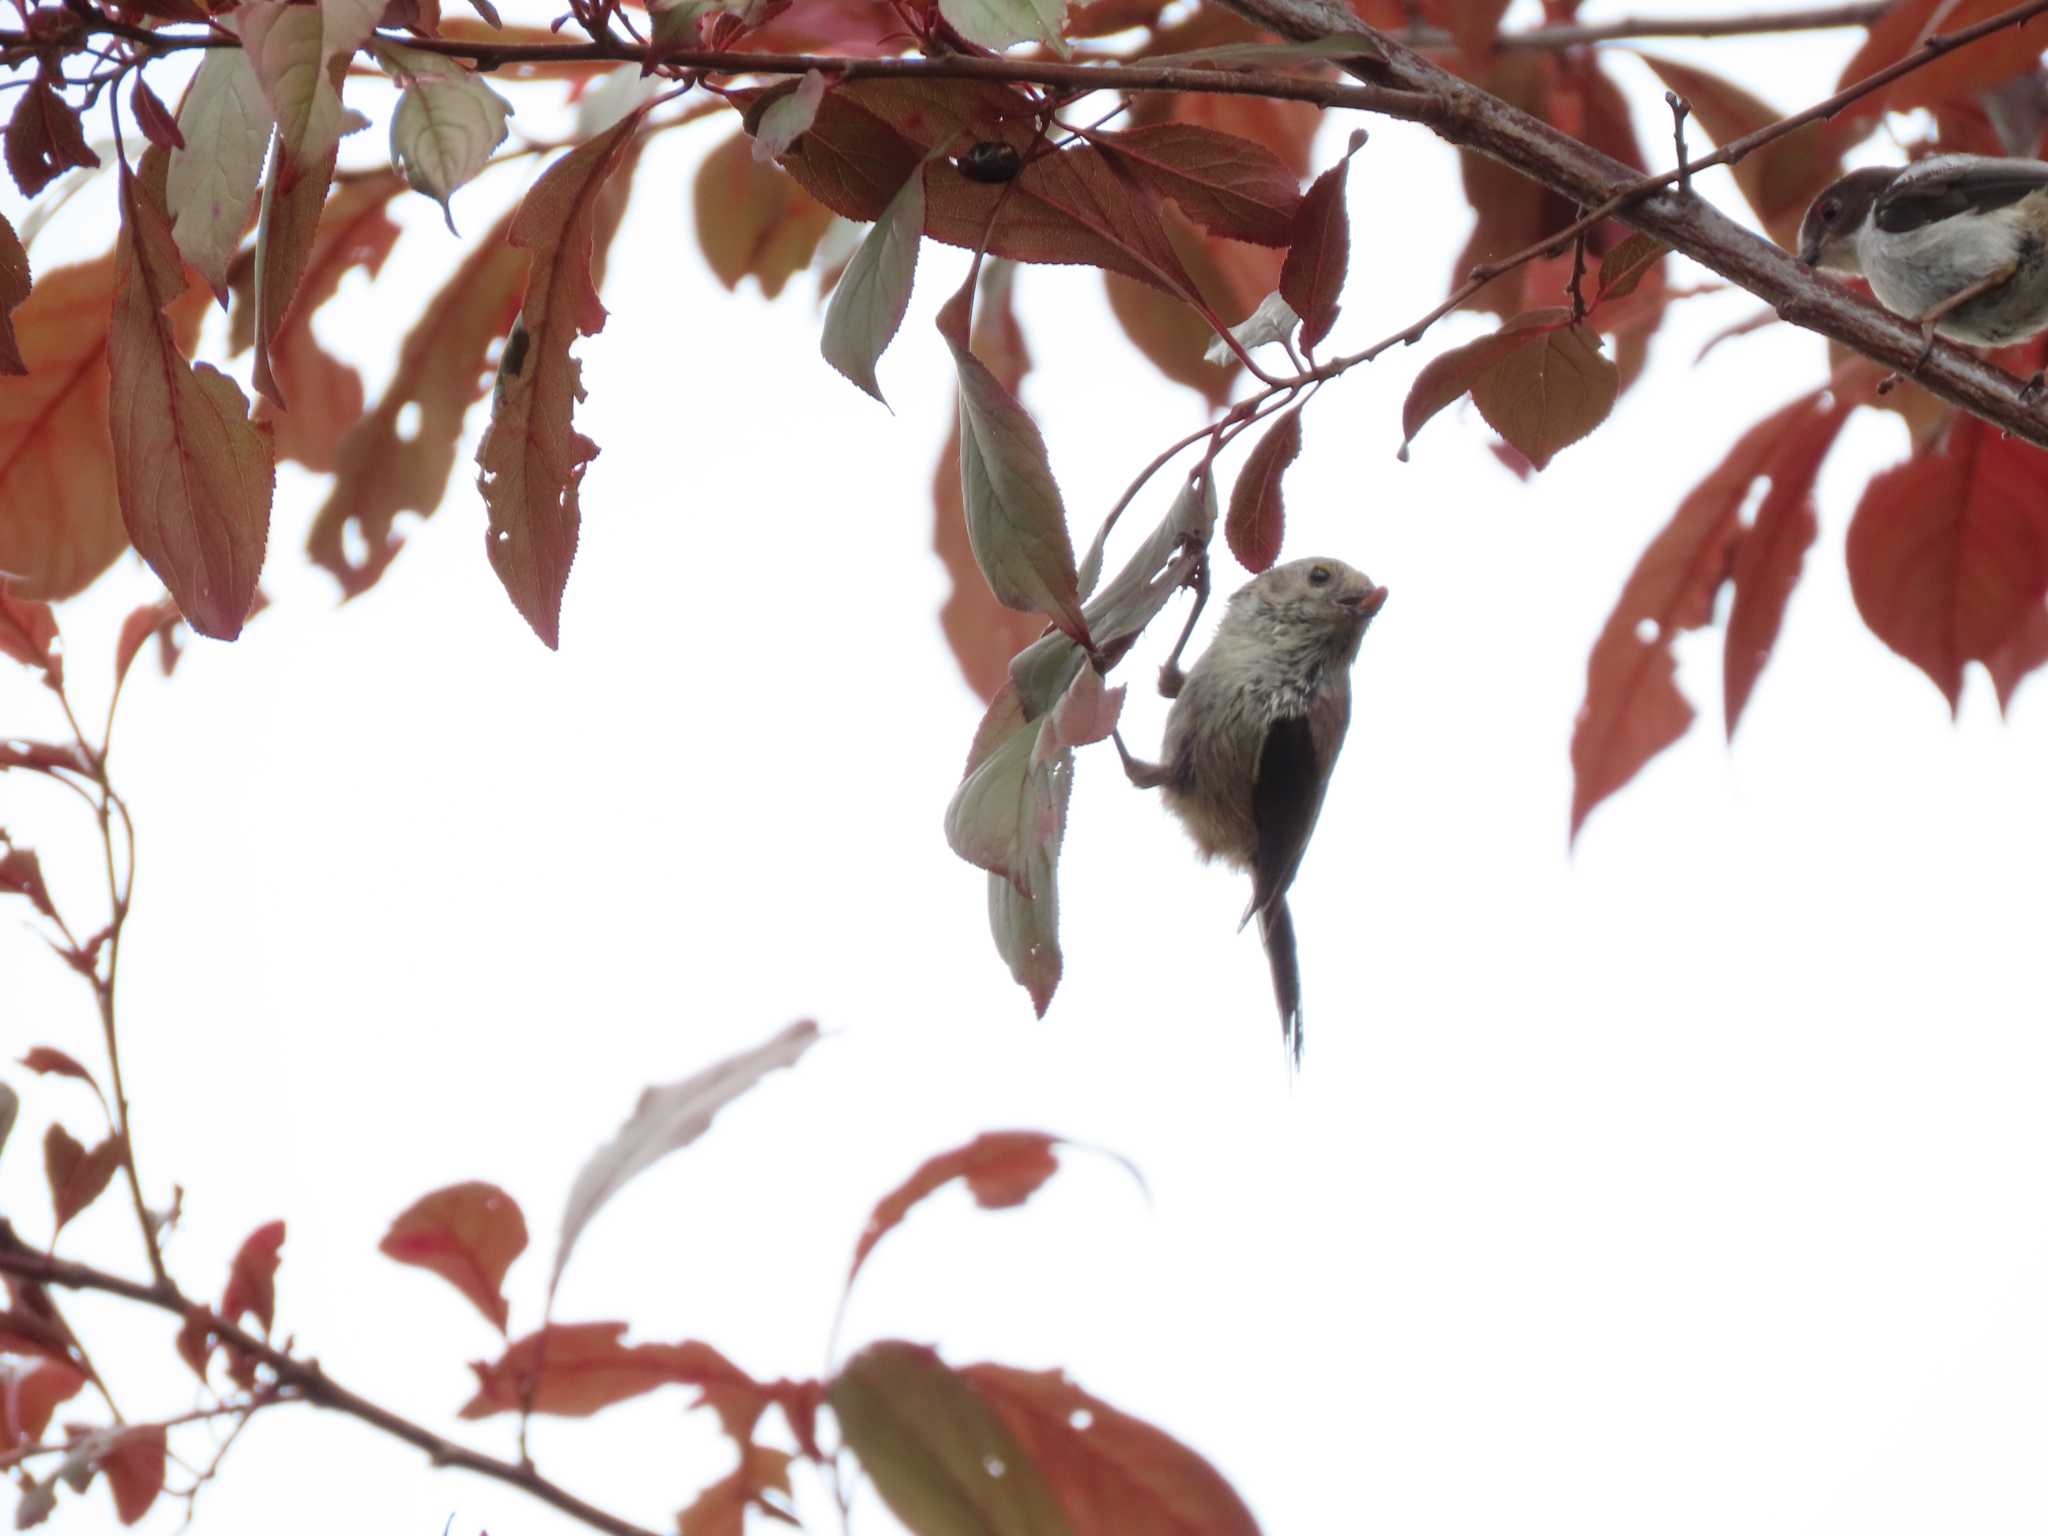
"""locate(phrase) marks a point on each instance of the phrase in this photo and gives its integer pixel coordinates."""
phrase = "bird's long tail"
(1276, 926)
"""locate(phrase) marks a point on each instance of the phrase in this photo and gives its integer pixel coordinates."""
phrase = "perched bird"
(1254, 731)
(1957, 244)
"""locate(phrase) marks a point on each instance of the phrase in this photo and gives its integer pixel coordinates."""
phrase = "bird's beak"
(1367, 603)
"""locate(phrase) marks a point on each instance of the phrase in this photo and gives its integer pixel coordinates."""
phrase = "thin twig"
(1680, 107)
(308, 1381)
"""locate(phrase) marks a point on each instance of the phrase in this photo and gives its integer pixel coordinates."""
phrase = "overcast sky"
(1691, 1182)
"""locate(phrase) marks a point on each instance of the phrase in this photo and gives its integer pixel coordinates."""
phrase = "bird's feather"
(1914, 201)
(1276, 927)
(1286, 796)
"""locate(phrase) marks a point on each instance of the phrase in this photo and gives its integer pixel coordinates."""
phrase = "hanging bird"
(1956, 244)
(1254, 732)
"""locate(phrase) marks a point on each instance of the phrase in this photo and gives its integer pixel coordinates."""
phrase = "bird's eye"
(1319, 576)
(1831, 211)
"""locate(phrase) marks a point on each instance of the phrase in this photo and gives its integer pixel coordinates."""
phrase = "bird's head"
(1827, 235)
(1320, 598)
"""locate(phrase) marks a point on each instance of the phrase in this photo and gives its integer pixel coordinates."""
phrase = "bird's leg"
(1170, 676)
(1141, 773)
(1931, 318)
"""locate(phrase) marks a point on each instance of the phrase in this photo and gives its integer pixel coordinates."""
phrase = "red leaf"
(468, 1234)
(77, 1177)
(28, 634)
(1546, 396)
(44, 139)
(1450, 375)
(42, 757)
(1230, 186)
(1948, 552)
(1112, 1474)
(754, 220)
(156, 122)
(1633, 709)
(159, 618)
(1319, 254)
(380, 473)
(2019, 657)
(982, 633)
(1955, 76)
(194, 475)
(1257, 517)
(14, 292)
(721, 1509)
(1070, 206)
(29, 1396)
(285, 239)
(1782, 177)
(21, 874)
(574, 1369)
(44, 1059)
(195, 1340)
(350, 229)
(134, 1466)
(1001, 1169)
(252, 1282)
(60, 508)
(1773, 550)
(532, 458)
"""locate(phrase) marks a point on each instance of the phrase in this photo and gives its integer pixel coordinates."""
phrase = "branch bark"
(1469, 117)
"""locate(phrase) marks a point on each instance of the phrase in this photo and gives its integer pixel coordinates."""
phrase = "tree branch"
(308, 1382)
(1473, 119)
(1819, 18)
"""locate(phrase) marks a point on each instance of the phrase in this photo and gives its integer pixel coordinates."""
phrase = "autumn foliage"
(1172, 149)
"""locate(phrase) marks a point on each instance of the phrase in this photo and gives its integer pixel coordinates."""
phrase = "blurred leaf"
(77, 1177)
(1000, 1168)
(666, 1120)
(252, 1280)
(941, 1458)
(468, 1234)
(15, 287)
(996, 24)
(753, 220)
(1948, 552)
(1953, 77)
(576, 1369)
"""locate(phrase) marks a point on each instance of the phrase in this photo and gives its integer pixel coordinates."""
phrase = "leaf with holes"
(397, 458)
(532, 458)
(1773, 550)
(468, 1234)
(1633, 709)
(194, 474)
(1948, 552)
(1257, 518)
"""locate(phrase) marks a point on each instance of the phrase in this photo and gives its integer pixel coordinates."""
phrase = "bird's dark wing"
(1915, 201)
(1285, 799)
(1276, 927)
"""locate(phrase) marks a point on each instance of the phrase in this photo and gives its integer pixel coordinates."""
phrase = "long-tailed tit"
(1254, 732)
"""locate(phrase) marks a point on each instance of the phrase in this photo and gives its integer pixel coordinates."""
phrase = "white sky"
(1691, 1183)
